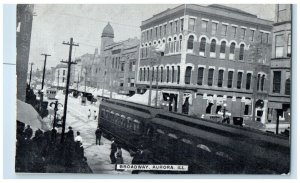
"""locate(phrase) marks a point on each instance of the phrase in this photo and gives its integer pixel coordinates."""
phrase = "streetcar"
(51, 93)
(204, 145)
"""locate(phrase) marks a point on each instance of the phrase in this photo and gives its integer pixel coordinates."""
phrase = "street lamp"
(55, 109)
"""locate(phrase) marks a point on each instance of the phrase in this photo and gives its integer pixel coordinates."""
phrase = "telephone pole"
(46, 55)
(30, 73)
(69, 62)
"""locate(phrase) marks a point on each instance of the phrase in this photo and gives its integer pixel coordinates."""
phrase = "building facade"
(24, 26)
(61, 72)
(279, 107)
(211, 58)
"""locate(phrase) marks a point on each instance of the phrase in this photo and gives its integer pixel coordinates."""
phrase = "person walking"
(78, 146)
(78, 138)
(89, 114)
(28, 132)
(70, 134)
(98, 134)
(119, 157)
(113, 150)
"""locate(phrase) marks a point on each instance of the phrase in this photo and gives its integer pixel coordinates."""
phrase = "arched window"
(248, 81)
(213, 46)
(178, 74)
(144, 77)
(152, 75)
(210, 77)
(148, 74)
(173, 74)
(190, 45)
(161, 74)
(202, 46)
(141, 70)
(262, 83)
(239, 80)
(180, 42)
(220, 78)
(258, 79)
(200, 76)
(241, 55)
(188, 73)
(222, 50)
(170, 45)
(231, 51)
(175, 44)
(230, 78)
(168, 73)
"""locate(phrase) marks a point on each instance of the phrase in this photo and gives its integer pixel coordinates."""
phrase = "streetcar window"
(203, 147)
(123, 119)
(117, 118)
(112, 116)
(130, 125)
(136, 125)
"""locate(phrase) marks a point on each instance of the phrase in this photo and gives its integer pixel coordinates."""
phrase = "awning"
(28, 115)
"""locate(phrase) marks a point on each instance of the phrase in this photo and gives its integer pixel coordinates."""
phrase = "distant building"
(212, 55)
(280, 79)
(61, 72)
(24, 26)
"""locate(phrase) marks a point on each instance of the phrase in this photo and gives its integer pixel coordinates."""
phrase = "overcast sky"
(57, 23)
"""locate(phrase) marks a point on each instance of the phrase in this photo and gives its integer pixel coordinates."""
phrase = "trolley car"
(204, 145)
(51, 93)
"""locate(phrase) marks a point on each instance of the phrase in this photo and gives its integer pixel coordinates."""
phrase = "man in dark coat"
(98, 134)
(113, 150)
(70, 134)
(28, 132)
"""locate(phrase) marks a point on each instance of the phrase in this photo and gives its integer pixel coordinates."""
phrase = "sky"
(54, 24)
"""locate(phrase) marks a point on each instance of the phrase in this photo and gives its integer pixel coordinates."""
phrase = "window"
(148, 74)
(262, 83)
(141, 71)
(122, 66)
(247, 110)
(239, 80)
(176, 26)
(200, 75)
(276, 81)
(151, 34)
(170, 45)
(173, 74)
(243, 33)
(168, 74)
(258, 80)
(231, 51)
(281, 14)
(213, 46)
(241, 55)
(157, 71)
(214, 28)
(180, 42)
(289, 45)
(248, 81)
(279, 46)
(251, 35)
(147, 35)
(210, 77)
(171, 27)
(190, 45)
(188, 73)
(223, 47)
(234, 29)
(161, 74)
(165, 29)
(178, 74)
(287, 83)
(224, 30)
(63, 80)
(192, 24)
(202, 46)
(230, 78)
(160, 30)
(156, 32)
(204, 25)
(220, 78)
(267, 37)
(181, 24)
(64, 72)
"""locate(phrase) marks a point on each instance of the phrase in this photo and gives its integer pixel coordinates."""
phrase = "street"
(97, 156)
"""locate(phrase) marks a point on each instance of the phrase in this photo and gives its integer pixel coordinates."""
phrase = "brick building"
(212, 55)
(24, 26)
(279, 97)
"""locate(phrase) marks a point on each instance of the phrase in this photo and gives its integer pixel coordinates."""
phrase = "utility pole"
(46, 55)
(30, 73)
(69, 62)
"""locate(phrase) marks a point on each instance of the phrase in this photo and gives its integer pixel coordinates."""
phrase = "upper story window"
(180, 43)
(188, 73)
(289, 45)
(210, 77)
(279, 45)
(141, 71)
(231, 51)
(281, 14)
(239, 80)
(173, 74)
(178, 74)
(151, 34)
(214, 28)
(276, 81)
(202, 46)
(176, 26)
(262, 82)
(223, 47)
(220, 78)
(192, 22)
(171, 27)
(160, 31)
(156, 32)
(122, 66)
(181, 24)
(230, 78)
(190, 45)
(204, 25)
(248, 81)
(234, 30)
(213, 46)
(200, 75)
(161, 74)
(168, 74)
(64, 72)
(287, 83)
(257, 83)
(267, 37)
(243, 33)
(251, 35)
(241, 55)
(224, 30)
(147, 35)
(165, 29)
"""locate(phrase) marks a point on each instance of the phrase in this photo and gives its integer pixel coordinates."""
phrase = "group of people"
(44, 150)
(94, 116)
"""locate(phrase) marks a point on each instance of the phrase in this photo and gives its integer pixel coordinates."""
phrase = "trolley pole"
(69, 62)
(46, 55)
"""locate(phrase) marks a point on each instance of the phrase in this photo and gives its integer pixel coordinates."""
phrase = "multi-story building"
(279, 107)
(212, 55)
(24, 26)
(61, 72)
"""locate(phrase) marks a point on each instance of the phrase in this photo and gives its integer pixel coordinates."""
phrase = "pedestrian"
(28, 132)
(70, 134)
(113, 150)
(78, 146)
(98, 134)
(78, 138)
(89, 114)
(95, 115)
(119, 157)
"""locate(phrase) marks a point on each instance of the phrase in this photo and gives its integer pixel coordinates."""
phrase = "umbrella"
(28, 115)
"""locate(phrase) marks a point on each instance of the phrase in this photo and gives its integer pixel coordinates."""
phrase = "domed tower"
(107, 37)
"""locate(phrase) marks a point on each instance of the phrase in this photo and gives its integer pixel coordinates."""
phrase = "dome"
(108, 31)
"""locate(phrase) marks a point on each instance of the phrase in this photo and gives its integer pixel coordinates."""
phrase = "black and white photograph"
(125, 89)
